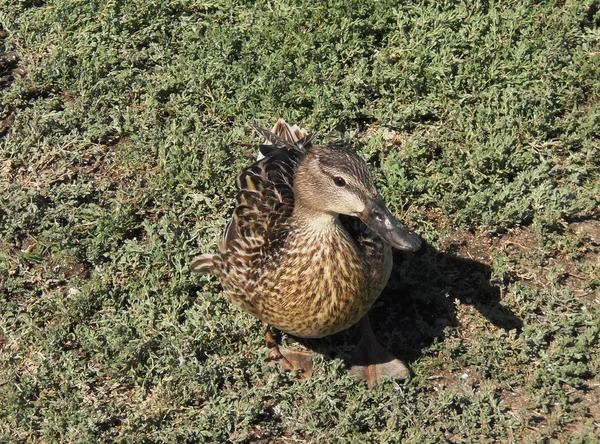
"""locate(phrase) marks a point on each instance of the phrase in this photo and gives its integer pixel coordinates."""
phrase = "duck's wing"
(265, 200)
(365, 239)
(264, 205)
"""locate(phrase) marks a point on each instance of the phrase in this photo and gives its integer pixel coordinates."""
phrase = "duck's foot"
(289, 360)
(371, 361)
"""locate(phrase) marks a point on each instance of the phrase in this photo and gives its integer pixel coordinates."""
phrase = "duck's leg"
(289, 360)
(371, 361)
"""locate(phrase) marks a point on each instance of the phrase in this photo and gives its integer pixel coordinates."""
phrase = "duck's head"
(331, 180)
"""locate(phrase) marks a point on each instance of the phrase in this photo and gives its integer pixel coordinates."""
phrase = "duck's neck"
(314, 221)
(310, 219)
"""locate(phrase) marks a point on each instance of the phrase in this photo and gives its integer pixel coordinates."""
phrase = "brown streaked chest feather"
(312, 285)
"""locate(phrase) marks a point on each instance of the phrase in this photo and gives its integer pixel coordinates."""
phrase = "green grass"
(122, 128)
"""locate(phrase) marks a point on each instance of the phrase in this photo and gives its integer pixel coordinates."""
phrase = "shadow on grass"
(420, 302)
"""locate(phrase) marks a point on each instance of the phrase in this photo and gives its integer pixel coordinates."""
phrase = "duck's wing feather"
(264, 203)
(282, 135)
(265, 200)
(366, 240)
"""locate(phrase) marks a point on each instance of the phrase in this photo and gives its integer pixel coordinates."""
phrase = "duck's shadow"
(420, 302)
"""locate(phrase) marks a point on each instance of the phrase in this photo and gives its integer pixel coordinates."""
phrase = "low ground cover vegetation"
(122, 128)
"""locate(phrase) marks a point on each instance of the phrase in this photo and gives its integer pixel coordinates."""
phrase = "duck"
(308, 249)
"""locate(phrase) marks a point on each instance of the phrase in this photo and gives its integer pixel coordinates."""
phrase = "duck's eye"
(339, 181)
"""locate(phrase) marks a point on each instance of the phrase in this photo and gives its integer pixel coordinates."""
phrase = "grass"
(122, 127)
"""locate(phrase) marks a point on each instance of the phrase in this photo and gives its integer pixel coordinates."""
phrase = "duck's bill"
(379, 219)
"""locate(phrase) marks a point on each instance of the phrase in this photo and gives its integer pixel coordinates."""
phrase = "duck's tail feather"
(291, 133)
(284, 135)
(202, 263)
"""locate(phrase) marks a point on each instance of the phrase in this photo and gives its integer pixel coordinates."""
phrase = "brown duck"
(308, 249)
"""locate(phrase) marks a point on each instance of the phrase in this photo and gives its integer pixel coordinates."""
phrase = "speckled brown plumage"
(308, 274)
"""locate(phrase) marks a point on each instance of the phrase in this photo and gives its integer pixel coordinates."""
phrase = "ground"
(122, 128)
